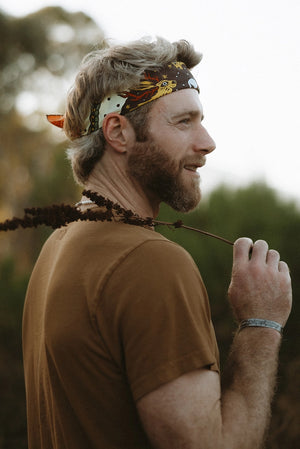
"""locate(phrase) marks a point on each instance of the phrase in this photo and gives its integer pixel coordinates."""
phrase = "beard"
(162, 178)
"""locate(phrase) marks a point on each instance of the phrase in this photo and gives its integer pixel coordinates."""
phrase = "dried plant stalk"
(60, 215)
(179, 224)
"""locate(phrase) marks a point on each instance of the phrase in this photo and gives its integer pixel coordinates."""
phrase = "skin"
(176, 147)
(175, 127)
(197, 411)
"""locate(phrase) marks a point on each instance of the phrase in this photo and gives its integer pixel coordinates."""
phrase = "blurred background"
(249, 80)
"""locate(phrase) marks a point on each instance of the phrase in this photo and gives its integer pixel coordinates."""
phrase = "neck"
(111, 180)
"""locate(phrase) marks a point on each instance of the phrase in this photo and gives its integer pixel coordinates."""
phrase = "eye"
(185, 121)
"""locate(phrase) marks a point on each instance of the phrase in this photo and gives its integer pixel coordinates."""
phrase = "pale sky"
(249, 76)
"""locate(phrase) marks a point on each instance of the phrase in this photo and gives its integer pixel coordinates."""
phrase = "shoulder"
(162, 256)
(155, 268)
(150, 252)
(119, 242)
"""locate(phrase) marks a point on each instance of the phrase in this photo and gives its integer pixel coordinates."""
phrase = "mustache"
(196, 162)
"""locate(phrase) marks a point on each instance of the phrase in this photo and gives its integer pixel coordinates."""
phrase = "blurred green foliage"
(41, 50)
(12, 391)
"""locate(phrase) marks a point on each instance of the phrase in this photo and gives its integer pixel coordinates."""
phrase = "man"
(119, 348)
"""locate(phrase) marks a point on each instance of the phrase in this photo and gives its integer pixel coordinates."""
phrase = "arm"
(192, 411)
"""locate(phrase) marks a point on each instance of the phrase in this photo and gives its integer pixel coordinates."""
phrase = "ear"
(118, 132)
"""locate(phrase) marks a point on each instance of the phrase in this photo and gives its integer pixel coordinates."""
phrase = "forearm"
(192, 412)
(248, 386)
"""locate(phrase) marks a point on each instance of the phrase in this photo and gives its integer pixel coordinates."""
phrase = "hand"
(260, 285)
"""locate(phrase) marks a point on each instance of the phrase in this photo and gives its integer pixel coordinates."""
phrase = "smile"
(191, 167)
(192, 170)
(194, 165)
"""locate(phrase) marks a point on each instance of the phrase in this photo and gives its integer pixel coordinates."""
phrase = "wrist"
(261, 323)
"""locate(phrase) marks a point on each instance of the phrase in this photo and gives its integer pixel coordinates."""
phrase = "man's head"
(166, 164)
(111, 71)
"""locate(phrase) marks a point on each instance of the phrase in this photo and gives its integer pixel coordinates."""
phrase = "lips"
(193, 165)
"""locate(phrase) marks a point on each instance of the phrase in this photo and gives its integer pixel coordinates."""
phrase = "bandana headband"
(155, 84)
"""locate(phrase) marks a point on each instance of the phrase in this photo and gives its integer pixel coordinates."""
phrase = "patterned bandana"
(155, 84)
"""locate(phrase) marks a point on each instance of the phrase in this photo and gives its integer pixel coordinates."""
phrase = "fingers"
(283, 267)
(244, 248)
(273, 258)
(259, 252)
(241, 249)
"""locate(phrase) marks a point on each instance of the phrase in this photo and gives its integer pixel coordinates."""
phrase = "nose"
(203, 141)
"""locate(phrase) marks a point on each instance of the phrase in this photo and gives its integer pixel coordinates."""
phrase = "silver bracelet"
(256, 322)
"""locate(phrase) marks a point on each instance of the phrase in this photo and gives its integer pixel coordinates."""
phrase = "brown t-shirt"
(112, 312)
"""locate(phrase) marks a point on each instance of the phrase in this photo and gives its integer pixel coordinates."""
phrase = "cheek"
(167, 138)
(175, 149)
(173, 146)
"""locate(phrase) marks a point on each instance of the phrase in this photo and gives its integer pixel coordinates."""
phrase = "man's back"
(112, 312)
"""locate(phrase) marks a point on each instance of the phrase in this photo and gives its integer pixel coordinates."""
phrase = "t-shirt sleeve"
(155, 317)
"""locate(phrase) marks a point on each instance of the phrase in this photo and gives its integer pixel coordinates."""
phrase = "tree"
(39, 55)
